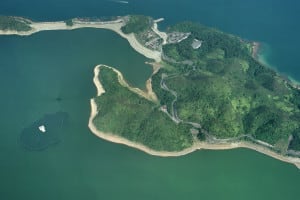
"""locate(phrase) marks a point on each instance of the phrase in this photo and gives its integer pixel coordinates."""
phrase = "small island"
(207, 91)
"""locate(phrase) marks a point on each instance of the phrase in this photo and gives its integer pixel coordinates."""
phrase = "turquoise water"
(36, 70)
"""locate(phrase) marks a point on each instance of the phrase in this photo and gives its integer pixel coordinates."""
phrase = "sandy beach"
(100, 89)
(196, 146)
(148, 94)
(110, 25)
(163, 35)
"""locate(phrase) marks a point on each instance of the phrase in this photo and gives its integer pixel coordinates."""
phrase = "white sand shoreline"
(162, 35)
(148, 94)
(155, 55)
(110, 25)
(197, 146)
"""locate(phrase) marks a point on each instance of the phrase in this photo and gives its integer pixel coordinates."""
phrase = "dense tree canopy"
(14, 23)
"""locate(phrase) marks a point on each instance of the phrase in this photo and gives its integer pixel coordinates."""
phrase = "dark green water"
(36, 70)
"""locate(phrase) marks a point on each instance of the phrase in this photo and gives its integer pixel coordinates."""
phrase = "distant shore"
(77, 24)
(196, 146)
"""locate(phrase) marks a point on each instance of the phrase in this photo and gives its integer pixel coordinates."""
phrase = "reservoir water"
(51, 72)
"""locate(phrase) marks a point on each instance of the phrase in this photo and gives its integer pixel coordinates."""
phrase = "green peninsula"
(210, 90)
(207, 90)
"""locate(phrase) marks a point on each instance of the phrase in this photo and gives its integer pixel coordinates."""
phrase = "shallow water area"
(44, 132)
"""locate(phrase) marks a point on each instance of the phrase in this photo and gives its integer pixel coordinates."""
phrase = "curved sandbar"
(196, 146)
(110, 25)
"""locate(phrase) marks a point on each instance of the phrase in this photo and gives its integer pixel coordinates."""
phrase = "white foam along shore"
(196, 146)
(77, 23)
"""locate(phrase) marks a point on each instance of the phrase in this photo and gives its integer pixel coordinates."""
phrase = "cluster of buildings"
(176, 37)
(153, 41)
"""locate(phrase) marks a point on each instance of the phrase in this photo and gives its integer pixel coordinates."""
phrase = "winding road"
(209, 137)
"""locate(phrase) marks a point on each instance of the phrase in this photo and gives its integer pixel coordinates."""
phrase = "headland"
(188, 57)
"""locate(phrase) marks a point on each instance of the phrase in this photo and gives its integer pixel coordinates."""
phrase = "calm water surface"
(273, 22)
(36, 70)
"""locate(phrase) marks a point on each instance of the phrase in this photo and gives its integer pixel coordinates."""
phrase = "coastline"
(255, 49)
(258, 54)
(163, 35)
(99, 87)
(196, 146)
(109, 25)
(149, 94)
(256, 46)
